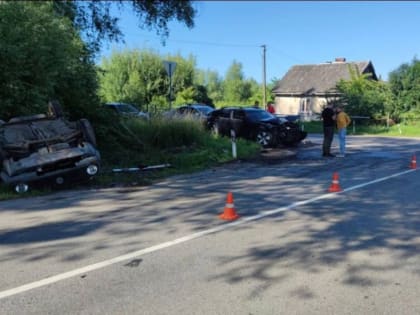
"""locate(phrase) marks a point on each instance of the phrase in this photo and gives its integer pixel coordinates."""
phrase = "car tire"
(264, 138)
(55, 109)
(87, 130)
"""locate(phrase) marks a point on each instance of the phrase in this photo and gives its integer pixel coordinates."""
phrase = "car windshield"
(204, 109)
(127, 108)
(259, 114)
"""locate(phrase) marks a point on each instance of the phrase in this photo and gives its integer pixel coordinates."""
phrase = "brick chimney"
(340, 59)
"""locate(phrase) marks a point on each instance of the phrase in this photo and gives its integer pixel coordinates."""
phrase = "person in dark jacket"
(328, 123)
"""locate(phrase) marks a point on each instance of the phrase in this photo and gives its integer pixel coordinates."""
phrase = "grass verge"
(359, 128)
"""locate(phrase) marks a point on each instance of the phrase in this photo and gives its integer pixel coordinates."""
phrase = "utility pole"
(264, 75)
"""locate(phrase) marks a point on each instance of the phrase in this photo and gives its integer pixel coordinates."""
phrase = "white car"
(190, 111)
(129, 110)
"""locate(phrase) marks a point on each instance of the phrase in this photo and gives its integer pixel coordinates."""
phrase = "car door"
(237, 121)
(221, 123)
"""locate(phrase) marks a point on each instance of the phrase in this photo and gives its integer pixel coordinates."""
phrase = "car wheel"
(264, 138)
(54, 109)
(87, 130)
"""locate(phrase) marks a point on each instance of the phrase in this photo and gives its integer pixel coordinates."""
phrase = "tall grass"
(185, 144)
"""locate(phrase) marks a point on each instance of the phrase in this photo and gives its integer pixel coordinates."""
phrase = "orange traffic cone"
(229, 212)
(335, 186)
(413, 164)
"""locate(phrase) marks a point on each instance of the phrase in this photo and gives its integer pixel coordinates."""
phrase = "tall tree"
(132, 76)
(405, 86)
(365, 97)
(139, 77)
(213, 83)
(236, 89)
(184, 74)
(194, 94)
(95, 21)
(41, 57)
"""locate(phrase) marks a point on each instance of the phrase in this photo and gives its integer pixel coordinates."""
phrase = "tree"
(213, 83)
(202, 95)
(194, 94)
(139, 77)
(405, 86)
(94, 20)
(42, 57)
(235, 88)
(183, 77)
(132, 76)
(363, 96)
(255, 91)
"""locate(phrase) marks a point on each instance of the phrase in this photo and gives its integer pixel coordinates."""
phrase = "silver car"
(127, 110)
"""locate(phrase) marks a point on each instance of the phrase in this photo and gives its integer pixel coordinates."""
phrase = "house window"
(305, 105)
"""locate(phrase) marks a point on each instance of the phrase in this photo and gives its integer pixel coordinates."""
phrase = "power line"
(198, 42)
(268, 48)
(280, 52)
(287, 55)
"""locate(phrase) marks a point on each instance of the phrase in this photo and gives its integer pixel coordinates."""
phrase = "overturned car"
(47, 149)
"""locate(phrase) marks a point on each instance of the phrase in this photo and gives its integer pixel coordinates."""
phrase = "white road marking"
(112, 261)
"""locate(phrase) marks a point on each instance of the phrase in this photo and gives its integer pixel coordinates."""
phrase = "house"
(305, 89)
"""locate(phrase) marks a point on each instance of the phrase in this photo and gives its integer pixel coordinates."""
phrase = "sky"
(294, 33)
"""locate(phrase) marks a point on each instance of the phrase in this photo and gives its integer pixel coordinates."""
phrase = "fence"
(354, 121)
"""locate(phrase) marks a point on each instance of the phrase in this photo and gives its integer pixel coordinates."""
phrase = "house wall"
(319, 104)
(287, 105)
(304, 106)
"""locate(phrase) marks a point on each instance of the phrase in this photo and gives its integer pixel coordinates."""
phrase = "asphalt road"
(296, 249)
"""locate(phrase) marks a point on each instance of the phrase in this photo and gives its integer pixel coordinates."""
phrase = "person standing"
(328, 124)
(343, 120)
(270, 108)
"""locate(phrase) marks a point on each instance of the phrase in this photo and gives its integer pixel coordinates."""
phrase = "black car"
(255, 124)
(47, 149)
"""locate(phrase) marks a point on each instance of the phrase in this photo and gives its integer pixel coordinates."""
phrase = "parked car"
(192, 111)
(127, 110)
(255, 124)
(47, 149)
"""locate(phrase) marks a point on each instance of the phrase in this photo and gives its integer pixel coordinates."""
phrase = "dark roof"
(319, 79)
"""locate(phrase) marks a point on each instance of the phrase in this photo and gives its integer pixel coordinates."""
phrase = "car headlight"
(92, 169)
(21, 188)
